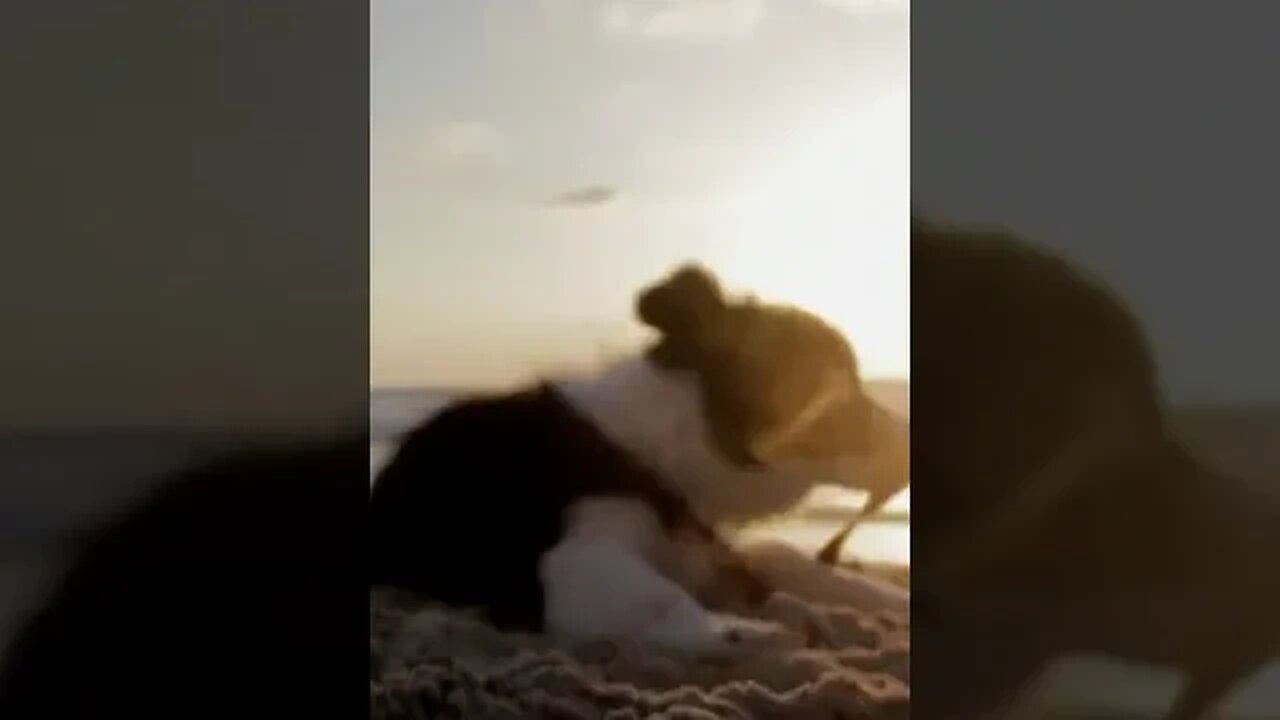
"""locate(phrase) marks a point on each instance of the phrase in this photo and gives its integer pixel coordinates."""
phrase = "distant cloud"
(465, 143)
(586, 196)
(684, 20)
(864, 7)
(690, 20)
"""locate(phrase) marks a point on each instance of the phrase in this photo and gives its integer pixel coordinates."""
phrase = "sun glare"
(834, 497)
(826, 227)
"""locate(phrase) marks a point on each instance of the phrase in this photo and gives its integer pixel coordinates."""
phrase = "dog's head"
(779, 385)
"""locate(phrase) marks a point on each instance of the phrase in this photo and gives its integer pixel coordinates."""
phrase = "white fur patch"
(599, 582)
(656, 414)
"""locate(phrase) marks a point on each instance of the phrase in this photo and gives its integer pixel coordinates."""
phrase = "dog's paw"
(739, 634)
(689, 629)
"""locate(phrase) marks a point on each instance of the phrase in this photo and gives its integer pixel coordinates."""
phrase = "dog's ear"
(684, 305)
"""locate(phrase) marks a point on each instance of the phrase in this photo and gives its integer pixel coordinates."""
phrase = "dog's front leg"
(598, 582)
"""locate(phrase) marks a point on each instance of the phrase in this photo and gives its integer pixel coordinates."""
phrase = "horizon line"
(875, 379)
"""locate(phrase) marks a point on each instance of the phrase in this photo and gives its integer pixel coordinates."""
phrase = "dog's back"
(222, 593)
(476, 494)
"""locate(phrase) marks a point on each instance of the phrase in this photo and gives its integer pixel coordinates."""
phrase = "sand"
(848, 657)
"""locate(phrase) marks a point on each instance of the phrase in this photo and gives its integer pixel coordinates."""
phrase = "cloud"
(465, 143)
(683, 20)
(586, 196)
(869, 7)
(689, 20)
(457, 159)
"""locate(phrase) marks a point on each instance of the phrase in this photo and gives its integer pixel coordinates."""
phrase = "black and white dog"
(234, 587)
(568, 507)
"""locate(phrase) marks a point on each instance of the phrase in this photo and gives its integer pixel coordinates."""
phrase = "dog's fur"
(1054, 512)
(590, 506)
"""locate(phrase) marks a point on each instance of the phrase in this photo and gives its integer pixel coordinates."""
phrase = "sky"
(1136, 137)
(535, 163)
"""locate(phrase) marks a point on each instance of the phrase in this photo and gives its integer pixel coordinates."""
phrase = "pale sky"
(767, 139)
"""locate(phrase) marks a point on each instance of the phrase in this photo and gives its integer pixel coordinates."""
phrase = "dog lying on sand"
(594, 506)
(588, 506)
(1054, 510)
